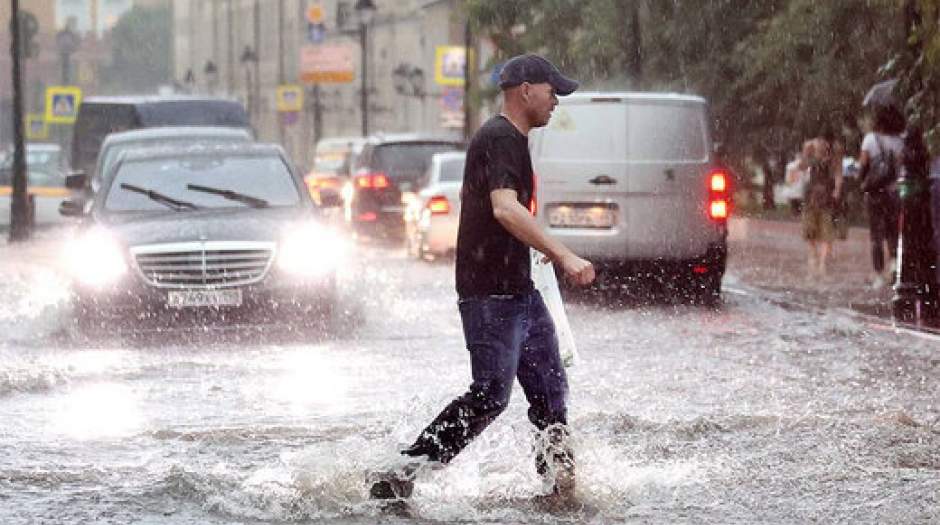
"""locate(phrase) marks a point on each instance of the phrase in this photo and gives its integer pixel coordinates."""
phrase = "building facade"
(247, 48)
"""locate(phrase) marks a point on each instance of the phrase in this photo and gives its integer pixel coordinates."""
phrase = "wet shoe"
(396, 480)
(554, 461)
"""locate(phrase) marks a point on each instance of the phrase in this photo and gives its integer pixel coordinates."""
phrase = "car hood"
(232, 224)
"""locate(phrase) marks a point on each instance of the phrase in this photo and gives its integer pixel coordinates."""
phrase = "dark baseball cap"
(534, 70)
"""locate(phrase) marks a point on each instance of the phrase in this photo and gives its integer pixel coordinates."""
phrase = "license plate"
(196, 298)
(581, 216)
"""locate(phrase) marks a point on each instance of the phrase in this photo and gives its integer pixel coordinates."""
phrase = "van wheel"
(706, 291)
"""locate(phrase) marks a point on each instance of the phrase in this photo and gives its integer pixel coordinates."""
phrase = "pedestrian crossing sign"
(36, 128)
(62, 104)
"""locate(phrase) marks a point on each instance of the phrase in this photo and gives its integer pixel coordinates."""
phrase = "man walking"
(507, 327)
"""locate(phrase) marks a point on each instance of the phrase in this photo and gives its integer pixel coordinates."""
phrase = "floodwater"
(749, 413)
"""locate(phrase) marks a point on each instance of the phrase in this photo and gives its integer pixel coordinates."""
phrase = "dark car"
(389, 166)
(100, 116)
(228, 230)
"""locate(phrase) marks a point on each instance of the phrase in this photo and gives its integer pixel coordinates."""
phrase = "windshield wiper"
(254, 202)
(177, 205)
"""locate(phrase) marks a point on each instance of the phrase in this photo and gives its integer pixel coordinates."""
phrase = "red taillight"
(718, 182)
(719, 200)
(438, 205)
(718, 209)
(367, 216)
(376, 181)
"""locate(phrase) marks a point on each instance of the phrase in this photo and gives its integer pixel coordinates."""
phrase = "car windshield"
(112, 153)
(408, 161)
(452, 170)
(250, 179)
(331, 162)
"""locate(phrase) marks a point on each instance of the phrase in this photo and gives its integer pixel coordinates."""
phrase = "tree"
(141, 50)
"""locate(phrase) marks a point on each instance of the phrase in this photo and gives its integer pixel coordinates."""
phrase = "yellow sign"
(62, 104)
(290, 97)
(449, 64)
(36, 128)
(315, 14)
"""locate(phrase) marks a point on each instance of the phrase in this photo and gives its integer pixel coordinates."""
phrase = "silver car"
(433, 213)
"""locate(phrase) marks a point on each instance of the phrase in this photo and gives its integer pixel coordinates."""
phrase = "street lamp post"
(248, 58)
(212, 73)
(409, 81)
(366, 10)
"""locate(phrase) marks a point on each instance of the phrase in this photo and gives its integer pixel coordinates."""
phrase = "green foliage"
(774, 71)
(141, 51)
(918, 68)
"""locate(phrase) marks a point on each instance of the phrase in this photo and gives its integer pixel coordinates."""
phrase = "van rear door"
(623, 178)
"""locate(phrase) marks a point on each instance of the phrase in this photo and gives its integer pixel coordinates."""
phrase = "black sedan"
(223, 230)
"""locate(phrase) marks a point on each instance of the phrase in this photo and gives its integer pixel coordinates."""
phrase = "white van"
(627, 180)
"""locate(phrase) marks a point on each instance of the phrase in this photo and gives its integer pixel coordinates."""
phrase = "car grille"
(203, 264)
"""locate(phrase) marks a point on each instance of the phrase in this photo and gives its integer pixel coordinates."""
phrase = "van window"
(666, 132)
(224, 113)
(585, 132)
(408, 160)
(94, 122)
(640, 132)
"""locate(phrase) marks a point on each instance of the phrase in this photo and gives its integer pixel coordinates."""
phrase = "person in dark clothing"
(508, 330)
(884, 140)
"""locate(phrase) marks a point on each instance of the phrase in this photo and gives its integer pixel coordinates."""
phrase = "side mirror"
(72, 208)
(77, 180)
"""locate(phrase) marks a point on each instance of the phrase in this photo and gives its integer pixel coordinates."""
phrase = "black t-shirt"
(490, 261)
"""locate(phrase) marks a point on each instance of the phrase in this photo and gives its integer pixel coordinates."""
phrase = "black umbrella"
(882, 94)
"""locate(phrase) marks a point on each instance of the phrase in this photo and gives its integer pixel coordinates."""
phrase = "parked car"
(44, 156)
(388, 166)
(100, 116)
(628, 181)
(228, 230)
(431, 218)
(45, 187)
(330, 177)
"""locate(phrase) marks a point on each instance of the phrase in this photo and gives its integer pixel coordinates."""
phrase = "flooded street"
(749, 413)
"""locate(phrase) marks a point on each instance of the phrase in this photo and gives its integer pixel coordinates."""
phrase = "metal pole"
(280, 64)
(256, 96)
(364, 102)
(19, 209)
(230, 49)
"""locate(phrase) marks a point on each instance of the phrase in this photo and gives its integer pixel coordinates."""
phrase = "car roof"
(582, 96)
(386, 138)
(449, 155)
(192, 150)
(151, 99)
(175, 131)
(43, 146)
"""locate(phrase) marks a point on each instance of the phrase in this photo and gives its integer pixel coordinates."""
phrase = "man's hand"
(577, 270)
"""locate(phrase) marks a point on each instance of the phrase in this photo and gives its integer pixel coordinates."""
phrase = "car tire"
(706, 290)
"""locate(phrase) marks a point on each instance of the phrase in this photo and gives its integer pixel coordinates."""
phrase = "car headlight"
(96, 258)
(310, 250)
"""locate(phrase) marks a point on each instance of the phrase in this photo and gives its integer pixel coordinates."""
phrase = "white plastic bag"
(543, 275)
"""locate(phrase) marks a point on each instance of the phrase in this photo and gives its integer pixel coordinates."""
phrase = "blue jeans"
(509, 337)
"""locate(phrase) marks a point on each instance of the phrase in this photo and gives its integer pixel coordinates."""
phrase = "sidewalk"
(772, 255)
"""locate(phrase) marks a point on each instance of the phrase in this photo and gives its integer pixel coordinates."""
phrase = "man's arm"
(517, 221)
